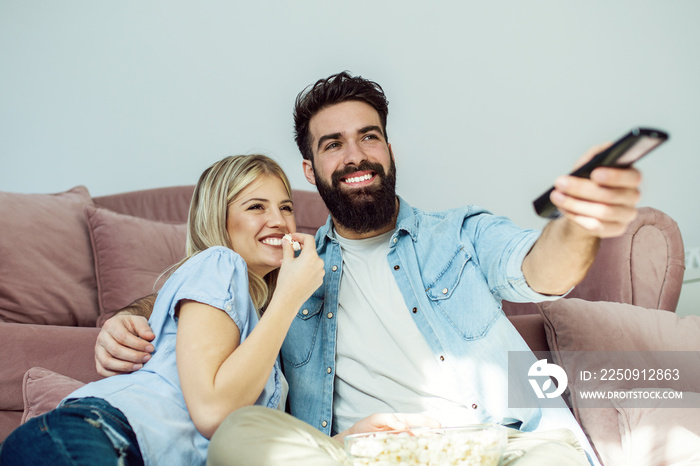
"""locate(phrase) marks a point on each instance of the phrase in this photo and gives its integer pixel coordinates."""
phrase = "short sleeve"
(217, 277)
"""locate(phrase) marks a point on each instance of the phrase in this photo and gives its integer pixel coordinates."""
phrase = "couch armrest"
(531, 328)
(67, 350)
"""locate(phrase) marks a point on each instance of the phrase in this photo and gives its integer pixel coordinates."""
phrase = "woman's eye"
(255, 207)
(287, 208)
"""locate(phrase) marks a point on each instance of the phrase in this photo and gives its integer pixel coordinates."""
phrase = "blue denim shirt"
(453, 269)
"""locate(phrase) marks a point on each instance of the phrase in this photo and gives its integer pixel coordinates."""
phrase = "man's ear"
(391, 152)
(309, 172)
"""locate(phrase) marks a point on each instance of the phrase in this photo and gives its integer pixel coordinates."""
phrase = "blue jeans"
(86, 431)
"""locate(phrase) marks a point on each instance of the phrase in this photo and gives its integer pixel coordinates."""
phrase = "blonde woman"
(215, 352)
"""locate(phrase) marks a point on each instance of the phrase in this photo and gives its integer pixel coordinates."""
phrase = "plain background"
(489, 100)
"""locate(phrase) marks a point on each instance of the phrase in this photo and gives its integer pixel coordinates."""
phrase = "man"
(408, 319)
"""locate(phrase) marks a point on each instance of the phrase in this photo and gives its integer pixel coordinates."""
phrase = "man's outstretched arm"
(600, 207)
(124, 343)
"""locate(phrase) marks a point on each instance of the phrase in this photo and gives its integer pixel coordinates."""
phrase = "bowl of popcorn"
(479, 444)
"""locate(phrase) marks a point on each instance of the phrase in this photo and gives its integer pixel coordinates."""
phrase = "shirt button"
(444, 291)
(395, 240)
(396, 267)
(329, 370)
(330, 315)
(442, 358)
(228, 307)
(305, 312)
(334, 268)
(415, 309)
(324, 424)
(474, 406)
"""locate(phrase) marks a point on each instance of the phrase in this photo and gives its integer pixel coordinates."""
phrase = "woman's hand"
(299, 276)
(378, 422)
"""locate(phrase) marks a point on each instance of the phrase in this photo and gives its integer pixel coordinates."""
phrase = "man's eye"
(332, 145)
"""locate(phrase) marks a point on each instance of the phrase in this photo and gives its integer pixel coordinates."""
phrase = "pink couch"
(69, 261)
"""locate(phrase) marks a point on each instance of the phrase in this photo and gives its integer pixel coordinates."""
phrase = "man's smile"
(358, 178)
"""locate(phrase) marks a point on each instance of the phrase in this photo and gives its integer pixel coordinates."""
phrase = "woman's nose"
(275, 218)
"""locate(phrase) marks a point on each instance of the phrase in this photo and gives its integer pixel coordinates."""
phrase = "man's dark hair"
(333, 90)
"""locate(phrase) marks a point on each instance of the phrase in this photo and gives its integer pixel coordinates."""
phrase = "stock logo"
(542, 369)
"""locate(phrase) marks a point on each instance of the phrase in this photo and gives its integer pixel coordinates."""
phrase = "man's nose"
(354, 154)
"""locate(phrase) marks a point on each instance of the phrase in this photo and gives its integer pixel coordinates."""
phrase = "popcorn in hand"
(295, 244)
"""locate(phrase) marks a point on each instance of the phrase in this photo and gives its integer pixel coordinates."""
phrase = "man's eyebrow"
(370, 128)
(325, 138)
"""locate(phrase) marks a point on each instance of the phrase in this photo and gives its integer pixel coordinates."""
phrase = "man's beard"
(365, 209)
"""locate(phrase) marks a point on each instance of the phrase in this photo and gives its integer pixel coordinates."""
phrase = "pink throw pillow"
(662, 434)
(130, 254)
(574, 325)
(47, 274)
(43, 389)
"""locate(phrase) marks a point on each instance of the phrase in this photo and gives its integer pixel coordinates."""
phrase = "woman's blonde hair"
(218, 186)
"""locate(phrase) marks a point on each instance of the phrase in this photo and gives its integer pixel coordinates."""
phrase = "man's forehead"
(345, 118)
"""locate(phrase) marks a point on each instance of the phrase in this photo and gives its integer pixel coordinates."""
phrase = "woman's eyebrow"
(254, 199)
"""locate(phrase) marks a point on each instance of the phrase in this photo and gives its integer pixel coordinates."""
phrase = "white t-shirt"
(383, 363)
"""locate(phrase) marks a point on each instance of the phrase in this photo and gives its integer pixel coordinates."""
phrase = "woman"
(214, 352)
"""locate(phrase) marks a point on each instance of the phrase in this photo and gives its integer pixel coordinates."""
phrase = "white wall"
(490, 100)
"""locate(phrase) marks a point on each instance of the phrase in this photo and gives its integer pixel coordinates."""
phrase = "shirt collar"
(406, 221)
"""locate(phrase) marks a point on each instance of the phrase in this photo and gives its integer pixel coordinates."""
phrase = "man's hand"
(600, 207)
(604, 205)
(378, 422)
(123, 345)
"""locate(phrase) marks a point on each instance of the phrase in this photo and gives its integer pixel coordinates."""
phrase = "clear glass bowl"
(479, 444)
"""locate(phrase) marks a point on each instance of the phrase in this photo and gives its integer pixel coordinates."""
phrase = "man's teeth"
(273, 241)
(357, 179)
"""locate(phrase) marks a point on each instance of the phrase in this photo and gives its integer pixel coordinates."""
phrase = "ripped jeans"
(85, 431)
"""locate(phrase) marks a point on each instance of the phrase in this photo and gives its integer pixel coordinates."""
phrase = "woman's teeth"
(273, 241)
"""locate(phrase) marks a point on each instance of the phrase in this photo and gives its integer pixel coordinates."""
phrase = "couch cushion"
(43, 389)
(46, 272)
(575, 325)
(660, 434)
(130, 254)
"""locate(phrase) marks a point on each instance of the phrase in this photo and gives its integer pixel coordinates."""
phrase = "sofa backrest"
(171, 205)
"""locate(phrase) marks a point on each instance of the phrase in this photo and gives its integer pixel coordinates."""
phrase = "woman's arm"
(218, 374)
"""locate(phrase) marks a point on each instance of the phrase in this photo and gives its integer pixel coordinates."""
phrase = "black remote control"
(623, 153)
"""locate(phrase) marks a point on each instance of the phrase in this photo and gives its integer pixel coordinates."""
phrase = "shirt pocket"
(460, 294)
(301, 338)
